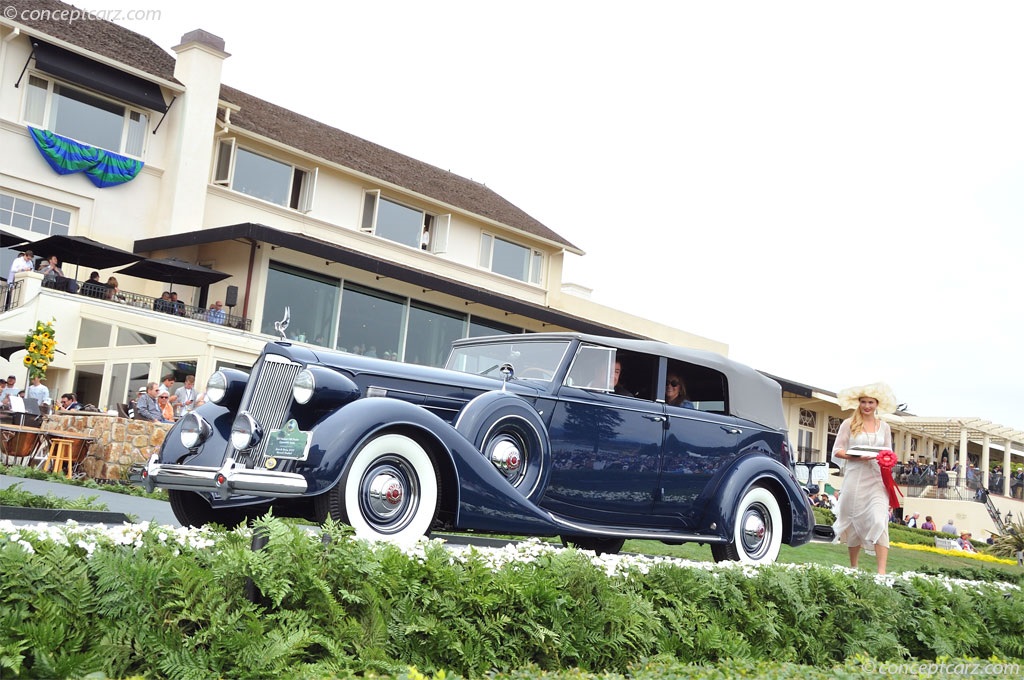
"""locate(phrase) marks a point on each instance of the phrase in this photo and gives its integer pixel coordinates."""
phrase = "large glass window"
(511, 259)
(263, 177)
(127, 337)
(479, 327)
(85, 117)
(93, 334)
(431, 332)
(88, 381)
(313, 301)
(371, 322)
(125, 381)
(401, 224)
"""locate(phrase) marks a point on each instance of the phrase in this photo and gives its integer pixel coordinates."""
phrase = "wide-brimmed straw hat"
(849, 399)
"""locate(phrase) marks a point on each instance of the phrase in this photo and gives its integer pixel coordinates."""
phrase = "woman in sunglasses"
(675, 392)
(164, 401)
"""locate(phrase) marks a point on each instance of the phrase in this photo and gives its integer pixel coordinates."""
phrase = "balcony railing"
(130, 299)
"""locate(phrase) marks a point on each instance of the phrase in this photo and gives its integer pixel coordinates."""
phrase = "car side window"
(592, 368)
(695, 387)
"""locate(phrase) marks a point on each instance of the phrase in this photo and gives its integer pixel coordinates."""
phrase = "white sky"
(833, 189)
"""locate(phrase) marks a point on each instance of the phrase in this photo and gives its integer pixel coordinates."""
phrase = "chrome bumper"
(226, 481)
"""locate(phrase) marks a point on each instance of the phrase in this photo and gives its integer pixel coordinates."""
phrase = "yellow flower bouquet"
(39, 346)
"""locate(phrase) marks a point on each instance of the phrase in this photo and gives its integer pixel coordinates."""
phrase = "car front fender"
(485, 499)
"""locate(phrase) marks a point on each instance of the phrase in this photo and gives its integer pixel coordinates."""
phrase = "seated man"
(69, 402)
(965, 542)
(147, 407)
(94, 288)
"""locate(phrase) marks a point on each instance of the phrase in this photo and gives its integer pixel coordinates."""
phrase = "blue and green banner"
(104, 168)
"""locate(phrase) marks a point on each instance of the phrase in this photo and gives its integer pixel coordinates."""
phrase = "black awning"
(382, 268)
(106, 79)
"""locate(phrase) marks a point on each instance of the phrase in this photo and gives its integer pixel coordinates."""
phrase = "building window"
(312, 300)
(403, 224)
(85, 117)
(262, 177)
(511, 259)
(21, 213)
(93, 334)
(834, 424)
(372, 322)
(479, 327)
(808, 418)
(126, 337)
(125, 381)
(431, 332)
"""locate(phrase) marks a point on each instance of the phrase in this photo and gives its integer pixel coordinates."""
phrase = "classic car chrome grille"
(268, 398)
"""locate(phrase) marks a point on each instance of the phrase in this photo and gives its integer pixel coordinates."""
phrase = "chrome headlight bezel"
(217, 387)
(193, 430)
(303, 386)
(245, 432)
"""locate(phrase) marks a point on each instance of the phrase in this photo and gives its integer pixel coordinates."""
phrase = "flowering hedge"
(160, 602)
(40, 345)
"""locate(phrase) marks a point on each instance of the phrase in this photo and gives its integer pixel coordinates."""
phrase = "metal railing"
(10, 295)
(100, 291)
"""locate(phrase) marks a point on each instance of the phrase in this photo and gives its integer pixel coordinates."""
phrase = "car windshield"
(529, 360)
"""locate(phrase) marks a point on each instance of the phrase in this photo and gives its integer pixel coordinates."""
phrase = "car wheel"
(599, 544)
(757, 534)
(390, 491)
(192, 510)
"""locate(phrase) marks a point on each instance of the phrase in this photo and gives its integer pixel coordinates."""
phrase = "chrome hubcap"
(388, 495)
(754, 531)
(506, 454)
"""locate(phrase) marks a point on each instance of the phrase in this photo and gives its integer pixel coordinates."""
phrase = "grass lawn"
(900, 559)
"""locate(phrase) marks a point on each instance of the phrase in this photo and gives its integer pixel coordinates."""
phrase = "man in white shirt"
(185, 396)
(22, 263)
(10, 389)
(38, 391)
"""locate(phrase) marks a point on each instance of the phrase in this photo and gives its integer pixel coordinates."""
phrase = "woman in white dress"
(863, 517)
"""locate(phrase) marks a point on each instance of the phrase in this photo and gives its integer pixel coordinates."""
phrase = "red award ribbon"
(886, 461)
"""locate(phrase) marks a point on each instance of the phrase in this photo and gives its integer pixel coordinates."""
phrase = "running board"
(633, 532)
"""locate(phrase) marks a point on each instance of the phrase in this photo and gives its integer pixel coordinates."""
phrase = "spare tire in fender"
(510, 434)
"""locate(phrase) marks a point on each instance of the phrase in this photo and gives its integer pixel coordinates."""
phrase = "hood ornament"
(282, 325)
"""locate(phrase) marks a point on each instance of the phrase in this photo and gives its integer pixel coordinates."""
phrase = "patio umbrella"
(9, 240)
(172, 270)
(79, 250)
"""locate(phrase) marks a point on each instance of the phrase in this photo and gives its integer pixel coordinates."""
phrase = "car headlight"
(245, 433)
(303, 386)
(194, 430)
(217, 387)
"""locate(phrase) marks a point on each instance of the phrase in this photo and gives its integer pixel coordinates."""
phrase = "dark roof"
(287, 127)
(383, 268)
(96, 35)
(323, 141)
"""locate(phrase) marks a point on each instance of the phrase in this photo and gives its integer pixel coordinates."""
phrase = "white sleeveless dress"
(863, 518)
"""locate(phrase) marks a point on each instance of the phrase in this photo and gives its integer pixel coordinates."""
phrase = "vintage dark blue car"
(590, 438)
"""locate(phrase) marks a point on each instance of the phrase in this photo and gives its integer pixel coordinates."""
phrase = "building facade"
(320, 237)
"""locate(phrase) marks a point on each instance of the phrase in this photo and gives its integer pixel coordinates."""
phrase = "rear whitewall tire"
(756, 536)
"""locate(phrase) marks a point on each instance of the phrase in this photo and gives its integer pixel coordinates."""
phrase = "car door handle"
(656, 419)
(732, 430)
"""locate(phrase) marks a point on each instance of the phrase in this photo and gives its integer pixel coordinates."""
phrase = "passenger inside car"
(675, 391)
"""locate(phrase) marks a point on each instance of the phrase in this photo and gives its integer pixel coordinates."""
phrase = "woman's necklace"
(871, 435)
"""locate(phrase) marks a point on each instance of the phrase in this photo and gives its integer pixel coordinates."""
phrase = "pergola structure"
(958, 434)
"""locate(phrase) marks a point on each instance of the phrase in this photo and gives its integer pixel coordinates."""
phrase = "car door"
(697, 446)
(606, 454)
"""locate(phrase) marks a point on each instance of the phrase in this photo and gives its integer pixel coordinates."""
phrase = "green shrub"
(167, 603)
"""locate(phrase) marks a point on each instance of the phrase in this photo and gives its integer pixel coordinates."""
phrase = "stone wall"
(119, 442)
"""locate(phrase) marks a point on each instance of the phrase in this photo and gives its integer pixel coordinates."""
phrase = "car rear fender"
(757, 469)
